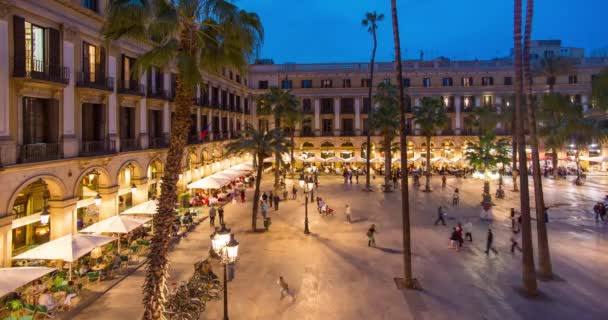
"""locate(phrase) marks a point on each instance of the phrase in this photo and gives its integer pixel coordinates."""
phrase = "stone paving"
(335, 275)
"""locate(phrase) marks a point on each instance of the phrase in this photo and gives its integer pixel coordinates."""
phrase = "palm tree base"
(412, 284)
(427, 190)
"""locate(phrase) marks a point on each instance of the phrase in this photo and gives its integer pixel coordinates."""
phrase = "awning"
(15, 278)
(67, 248)
(314, 159)
(148, 207)
(243, 166)
(594, 159)
(208, 183)
(439, 159)
(116, 224)
(377, 160)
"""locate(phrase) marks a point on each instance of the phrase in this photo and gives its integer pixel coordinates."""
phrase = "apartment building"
(76, 124)
(335, 104)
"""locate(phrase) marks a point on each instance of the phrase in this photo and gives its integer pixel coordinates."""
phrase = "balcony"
(327, 110)
(131, 87)
(170, 95)
(28, 68)
(37, 152)
(347, 110)
(307, 133)
(502, 132)
(128, 145)
(215, 103)
(447, 132)
(308, 110)
(96, 148)
(156, 142)
(347, 133)
(193, 139)
(365, 109)
(450, 109)
(94, 80)
(327, 133)
(156, 93)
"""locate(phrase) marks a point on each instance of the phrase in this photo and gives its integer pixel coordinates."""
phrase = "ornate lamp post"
(226, 249)
(307, 186)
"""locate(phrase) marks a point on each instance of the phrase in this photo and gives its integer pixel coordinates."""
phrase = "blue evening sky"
(306, 31)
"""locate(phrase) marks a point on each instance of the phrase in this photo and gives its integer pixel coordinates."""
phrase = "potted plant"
(184, 199)
(15, 308)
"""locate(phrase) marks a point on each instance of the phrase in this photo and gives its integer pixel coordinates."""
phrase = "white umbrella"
(238, 173)
(14, 278)
(116, 224)
(377, 160)
(225, 175)
(334, 159)
(455, 159)
(396, 160)
(415, 159)
(208, 183)
(244, 166)
(439, 159)
(356, 159)
(242, 170)
(269, 160)
(148, 207)
(314, 159)
(67, 248)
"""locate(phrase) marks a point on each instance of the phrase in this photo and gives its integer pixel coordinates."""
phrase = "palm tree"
(385, 119)
(484, 156)
(552, 67)
(553, 108)
(431, 116)
(291, 121)
(528, 270)
(195, 35)
(371, 22)
(580, 132)
(544, 255)
(600, 89)
(483, 119)
(408, 280)
(261, 144)
(279, 103)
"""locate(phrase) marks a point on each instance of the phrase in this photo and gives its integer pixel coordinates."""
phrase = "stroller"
(326, 210)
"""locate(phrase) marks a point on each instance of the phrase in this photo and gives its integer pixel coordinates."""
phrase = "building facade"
(76, 125)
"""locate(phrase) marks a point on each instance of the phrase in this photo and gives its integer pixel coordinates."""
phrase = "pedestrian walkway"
(335, 275)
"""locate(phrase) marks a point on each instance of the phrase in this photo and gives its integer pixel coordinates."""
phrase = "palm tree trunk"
(528, 270)
(277, 159)
(514, 151)
(158, 263)
(427, 187)
(554, 162)
(387, 164)
(293, 162)
(369, 95)
(408, 280)
(544, 255)
(256, 193)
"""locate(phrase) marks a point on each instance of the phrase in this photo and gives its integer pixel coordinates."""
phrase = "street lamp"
(133, 188)
(44, 216)
(308, 188)
(226, 249)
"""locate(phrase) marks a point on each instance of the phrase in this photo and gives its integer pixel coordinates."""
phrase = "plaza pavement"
(334, 275)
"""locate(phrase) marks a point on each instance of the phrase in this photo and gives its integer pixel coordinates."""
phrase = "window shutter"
(100, 73)
(19, 45)
(53, 125)
(85, 59)
(55, 69)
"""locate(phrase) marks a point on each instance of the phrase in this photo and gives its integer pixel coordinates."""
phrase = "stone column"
(254, 112)
(317, 117)
(68, 137)
(358, 116)
(219, 123)
(62, 217)
(337, 117)
(4, 71)
(585, 101)
(498, 104)
(109, 202)
(210, 93)
(6, 240)
(457, 123)
(112, 104)
(198, 123)
(477, 101)
(143, 117)
(210, 129)
(166, 121)
(141, 194)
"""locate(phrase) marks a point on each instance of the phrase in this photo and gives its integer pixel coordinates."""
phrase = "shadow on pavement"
(389, 250)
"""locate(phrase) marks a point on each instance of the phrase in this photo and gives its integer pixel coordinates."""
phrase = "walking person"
(284, 287)
(512, 219)
(453, 238)
(264, 208)
(294, 192)
(371, 232)
(514, 242)
(220, 212)
(270, 198)
(468, 231)
(276, 202)
(285, 194)
(357, 176)
(489, 241)
(348, 213)
(460, 238)
(440, 216)
(395, 181)
(443, 181)
(212, 213)
(264, 196)
(243, 196)
(455, 197)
